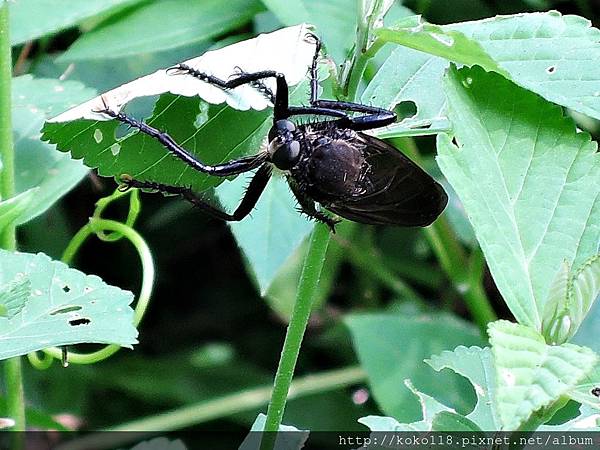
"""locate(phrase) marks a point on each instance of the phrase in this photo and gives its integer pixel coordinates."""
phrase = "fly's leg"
(253, 193)
(307, 206)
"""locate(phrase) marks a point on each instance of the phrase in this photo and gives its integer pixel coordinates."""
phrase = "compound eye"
(284, 155)
(285, 125)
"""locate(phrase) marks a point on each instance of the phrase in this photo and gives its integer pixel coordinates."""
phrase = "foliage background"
(208, 332)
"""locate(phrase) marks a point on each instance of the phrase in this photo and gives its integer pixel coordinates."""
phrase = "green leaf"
(292, 439)
(415, 33)
(37, 165)
(410, 76)
(13, 296)
(430, 408)
(585, 393)
(528, 181)
(547, 53)
(143, 30)
(392, 349)
(32, 19)
(531, 375)
(587, 420)
(448, 421)
(475, 364)
(552, 322)
(65, 307)
(584, 289)
(282, 228)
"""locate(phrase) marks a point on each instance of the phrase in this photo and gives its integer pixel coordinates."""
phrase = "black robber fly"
(330, 162)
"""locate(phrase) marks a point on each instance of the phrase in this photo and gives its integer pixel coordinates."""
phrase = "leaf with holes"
(63, 307)
(213, 133)
(531, 375)
(529, 182)
(475, 364)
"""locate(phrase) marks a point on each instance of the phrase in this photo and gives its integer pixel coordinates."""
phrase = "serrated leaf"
(528, 181)
(65, 307)
(475, 364)
(547, 53)
(286, 51)
(584, 289)
(557, 298)
(37, 165)
(292, 439)
(32, 19)
(430, 407)
(143, 30)
(13, 296)
(415, 33)
(282, 228)
(531, 375)
(391, 348)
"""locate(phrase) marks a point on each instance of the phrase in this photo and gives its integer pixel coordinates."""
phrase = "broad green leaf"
(475, 364)
(430, 407)
(448, 421)
(392, 349)
(528, 181)
(144, 29)
(13, 296)
(32, 19)
(292, 439)
(410, 75)
(547, 53)
(37, 165)
(415, 33)
(531, 375)
(273, 231)
(65, 307)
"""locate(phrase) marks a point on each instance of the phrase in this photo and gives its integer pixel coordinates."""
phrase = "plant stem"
(207, 410)
(12, 367)
(307, 288)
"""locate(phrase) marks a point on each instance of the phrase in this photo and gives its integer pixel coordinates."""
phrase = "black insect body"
(596, 392)
(331, 162)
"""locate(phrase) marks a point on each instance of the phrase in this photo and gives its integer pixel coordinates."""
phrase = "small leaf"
(583, 291)
(430, 408)
(475, 364)
(65, 307)
(528, 180)
(552, 323)
(14, 295)
(417, 34)
(292, 439)
(587, 420)
(391, 348)
(143, 30)
(531, 375)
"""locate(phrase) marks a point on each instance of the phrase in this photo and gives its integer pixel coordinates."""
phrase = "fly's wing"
(391, 190)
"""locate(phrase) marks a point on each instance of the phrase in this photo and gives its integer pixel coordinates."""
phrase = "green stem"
(307, 288)
(12, 367)
(204, 411)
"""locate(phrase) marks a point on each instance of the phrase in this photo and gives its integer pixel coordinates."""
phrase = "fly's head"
(284, 149)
